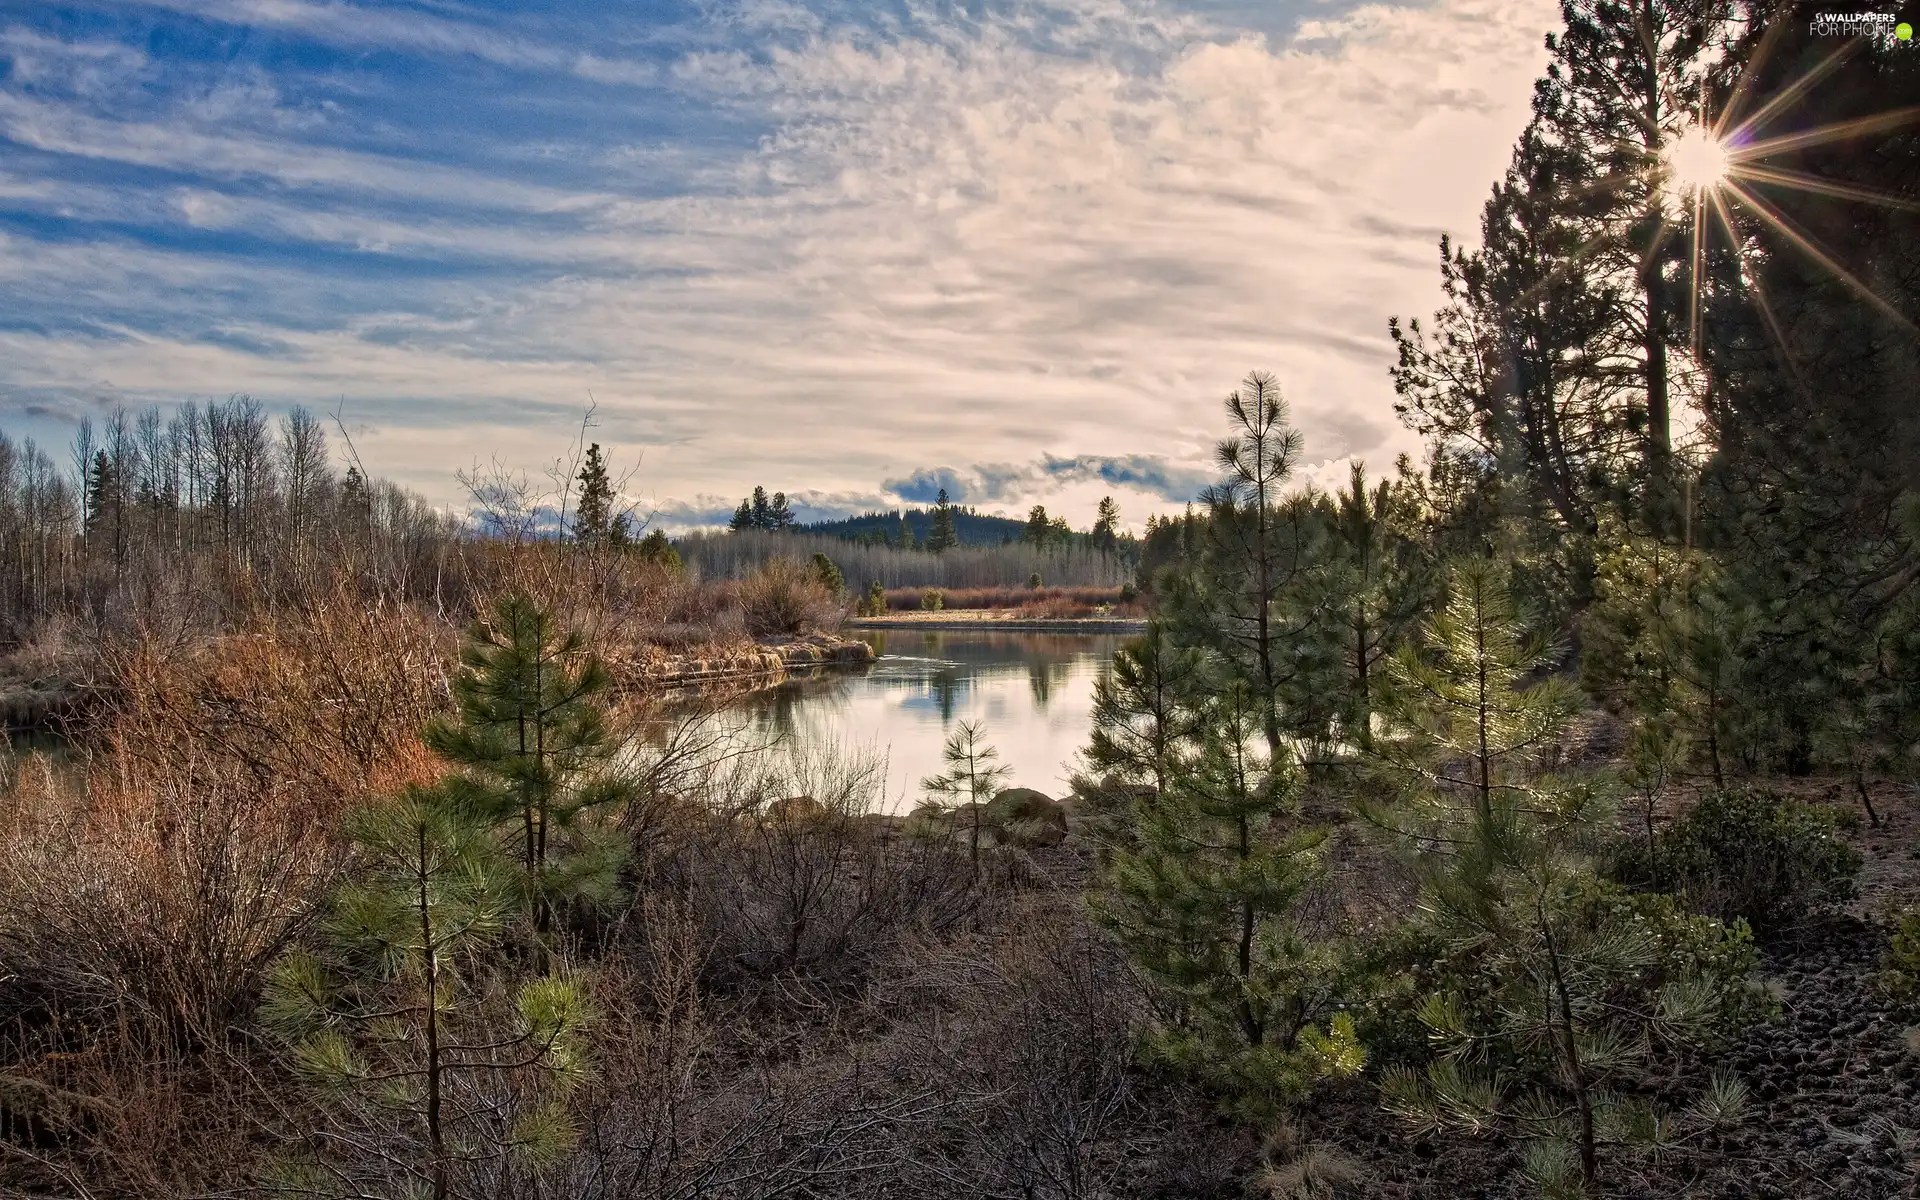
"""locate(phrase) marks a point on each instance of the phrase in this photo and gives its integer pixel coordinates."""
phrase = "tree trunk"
(436, 1136)
(1576, 1071)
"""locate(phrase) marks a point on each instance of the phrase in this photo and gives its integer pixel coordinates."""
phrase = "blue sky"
(1019, 248)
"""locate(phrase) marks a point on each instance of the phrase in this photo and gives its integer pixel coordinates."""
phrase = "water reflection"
(1032, 691)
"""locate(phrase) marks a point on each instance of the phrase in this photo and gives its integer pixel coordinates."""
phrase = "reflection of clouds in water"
(1034, 693)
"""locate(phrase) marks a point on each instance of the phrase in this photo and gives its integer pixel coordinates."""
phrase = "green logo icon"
(1903, 31)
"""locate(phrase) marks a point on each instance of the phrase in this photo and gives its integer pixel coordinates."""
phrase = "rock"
(1028, 818)
(795, 810)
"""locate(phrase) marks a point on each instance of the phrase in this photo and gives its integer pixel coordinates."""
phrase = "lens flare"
(1696, 162)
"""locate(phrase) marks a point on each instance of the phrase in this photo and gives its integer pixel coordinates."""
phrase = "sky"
(855, 250)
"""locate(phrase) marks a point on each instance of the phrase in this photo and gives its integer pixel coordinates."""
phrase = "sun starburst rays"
(1695, 162)
(1709, 168)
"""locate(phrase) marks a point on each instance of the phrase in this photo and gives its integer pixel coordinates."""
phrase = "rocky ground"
(1834, 1107)
(1833, 1111)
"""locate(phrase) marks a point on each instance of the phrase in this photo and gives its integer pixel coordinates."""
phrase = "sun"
(1696, 162)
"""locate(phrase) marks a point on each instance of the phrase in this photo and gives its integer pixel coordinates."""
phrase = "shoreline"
(948, 622)
(763, 664)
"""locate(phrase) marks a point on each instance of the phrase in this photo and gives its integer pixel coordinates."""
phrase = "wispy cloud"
(812, 246)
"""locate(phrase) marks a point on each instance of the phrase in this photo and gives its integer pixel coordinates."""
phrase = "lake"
(1033, 692)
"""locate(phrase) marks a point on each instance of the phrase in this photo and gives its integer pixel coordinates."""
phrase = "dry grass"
(783, 598)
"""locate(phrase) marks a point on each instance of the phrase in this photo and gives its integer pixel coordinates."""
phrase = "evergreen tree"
(1567, 997)
(356, 501)
(1665, 642)
(828, 575)
(1106, 524)
(1379, 585)
(536, 753)
(1464, 732)
(973, 774)
(742, 518)
(1812, 353)
(1246, 596)
(1557, 991)
(905, 538)
(594, 522)
(1622, 84)
(1148, 711)
(760, 509)
(942, 535)
(102, 500)
(1499, 384)
(1167, 543)
(656, 548)
(1201, 888)
(779, 516)
(1038, 529)
(392, 1018)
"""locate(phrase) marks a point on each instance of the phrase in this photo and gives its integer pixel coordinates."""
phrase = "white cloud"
(957, 248)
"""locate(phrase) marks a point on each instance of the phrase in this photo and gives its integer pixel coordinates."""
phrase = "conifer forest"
(1537, 817)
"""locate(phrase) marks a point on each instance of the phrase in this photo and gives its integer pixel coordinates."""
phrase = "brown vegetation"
(1037, 603)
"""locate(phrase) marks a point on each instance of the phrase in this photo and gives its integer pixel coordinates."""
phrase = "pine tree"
(779, 516)
(742, 518)
(1500, 385)
(1558, 991)
(656, 548)
(1622, 84)
(829, 575)
(594, 521)
(356, 501)
(760, 509)
(1201, 889)
(102, 500)
(1149, 719)
(905, 537)
(1106, 526)
(1039, 529)
(1665, 642)
(1378, 586)
(536, 752)
(972, 776)
(1148, 711)
(392, 1020)
(1244, 597)
(1812, 358)
(942, 535)
(1465, 733)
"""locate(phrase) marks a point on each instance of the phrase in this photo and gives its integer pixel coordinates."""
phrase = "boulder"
(1028, 818)
(796, 810)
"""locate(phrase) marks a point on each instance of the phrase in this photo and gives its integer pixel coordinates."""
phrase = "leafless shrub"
(1029, 1032)
(784, 597)
(121, 1119)
(150, 905)
(794, 874)
(326, 699)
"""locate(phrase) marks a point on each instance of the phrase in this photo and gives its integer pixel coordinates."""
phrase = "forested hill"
(973, 529)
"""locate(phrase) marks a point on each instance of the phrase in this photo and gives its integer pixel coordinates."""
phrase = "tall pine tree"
(942, 535)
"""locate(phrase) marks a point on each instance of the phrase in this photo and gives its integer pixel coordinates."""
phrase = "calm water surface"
(1032, 691)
